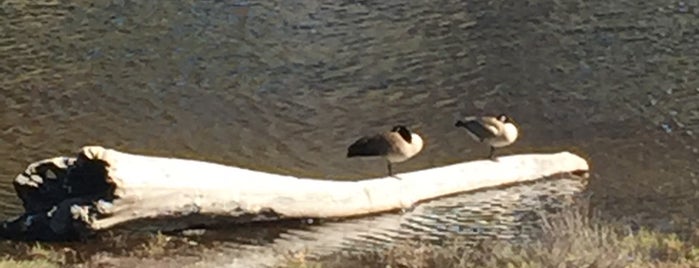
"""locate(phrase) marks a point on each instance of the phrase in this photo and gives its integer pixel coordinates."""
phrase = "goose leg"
(492, 153)
(390, 170)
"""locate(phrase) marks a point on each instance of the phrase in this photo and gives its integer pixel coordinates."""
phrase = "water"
(512, 214)
(285, 86)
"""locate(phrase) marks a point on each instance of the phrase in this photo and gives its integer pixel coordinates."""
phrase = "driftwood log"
(70, 197)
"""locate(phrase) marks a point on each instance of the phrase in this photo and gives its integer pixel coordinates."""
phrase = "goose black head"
(404, 132)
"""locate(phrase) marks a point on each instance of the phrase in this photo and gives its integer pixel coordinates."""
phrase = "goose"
(496, 132)
(397, 145)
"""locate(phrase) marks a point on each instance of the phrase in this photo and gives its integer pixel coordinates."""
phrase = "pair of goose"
(400, 144)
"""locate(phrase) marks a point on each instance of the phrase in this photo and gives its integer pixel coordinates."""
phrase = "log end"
(58, 195)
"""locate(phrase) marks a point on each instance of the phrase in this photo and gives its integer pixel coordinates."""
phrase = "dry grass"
(153, 246)
(8, 263)
(570, 239)
(35, 256)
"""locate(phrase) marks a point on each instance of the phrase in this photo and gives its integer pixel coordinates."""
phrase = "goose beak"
(459, 123)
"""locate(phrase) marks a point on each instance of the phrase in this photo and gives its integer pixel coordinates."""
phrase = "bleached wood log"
(138, 188)
(149, 186)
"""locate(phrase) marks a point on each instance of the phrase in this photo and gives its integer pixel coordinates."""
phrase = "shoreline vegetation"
(575, 237)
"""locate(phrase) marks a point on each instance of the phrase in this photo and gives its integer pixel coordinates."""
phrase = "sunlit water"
(285, 86)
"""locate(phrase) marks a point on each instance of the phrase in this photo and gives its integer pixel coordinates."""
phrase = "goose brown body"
(397, 145)
(496, 132)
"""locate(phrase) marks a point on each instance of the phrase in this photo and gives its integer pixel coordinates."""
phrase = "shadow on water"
(285, 87)
(511, 214)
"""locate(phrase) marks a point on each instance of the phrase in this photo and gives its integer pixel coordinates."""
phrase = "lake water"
(285, 86)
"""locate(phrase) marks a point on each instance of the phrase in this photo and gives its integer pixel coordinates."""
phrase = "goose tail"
(358, 148)
(477, 130)
(368, 146)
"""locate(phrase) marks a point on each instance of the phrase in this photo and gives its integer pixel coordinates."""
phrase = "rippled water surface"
(285, 86)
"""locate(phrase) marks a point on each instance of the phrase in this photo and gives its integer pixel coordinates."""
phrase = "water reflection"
(512, 214)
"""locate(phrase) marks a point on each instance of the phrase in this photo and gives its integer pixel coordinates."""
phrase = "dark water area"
(285, 86)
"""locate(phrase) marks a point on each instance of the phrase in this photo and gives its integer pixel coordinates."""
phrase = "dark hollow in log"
(50, 190)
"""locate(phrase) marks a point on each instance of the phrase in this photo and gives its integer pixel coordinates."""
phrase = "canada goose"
(395, 146)
(497, 131)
